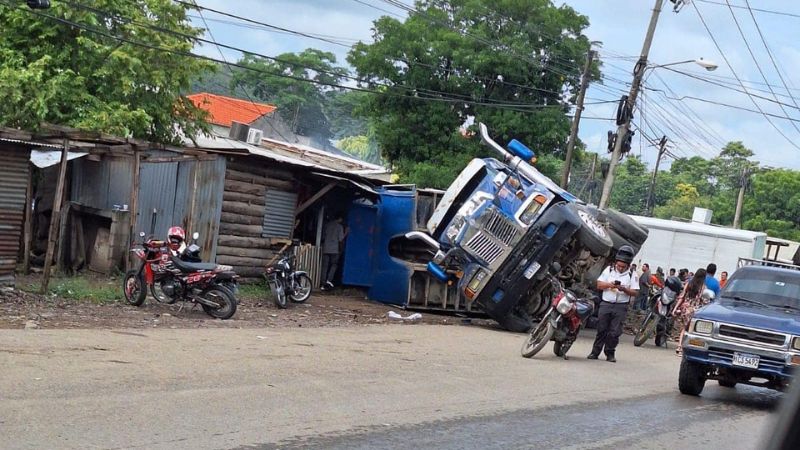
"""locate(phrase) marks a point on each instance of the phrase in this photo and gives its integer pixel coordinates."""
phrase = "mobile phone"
(617, 282)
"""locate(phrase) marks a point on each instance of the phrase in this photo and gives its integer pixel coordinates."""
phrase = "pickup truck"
(750, 334)
(502, 227)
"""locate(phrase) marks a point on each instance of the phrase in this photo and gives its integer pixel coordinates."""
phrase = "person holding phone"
(619, 286)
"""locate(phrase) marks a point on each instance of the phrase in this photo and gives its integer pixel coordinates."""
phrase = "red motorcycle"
(561, 323)
(176, 279)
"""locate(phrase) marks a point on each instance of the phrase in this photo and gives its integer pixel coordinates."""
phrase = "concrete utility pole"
(740, 200)
(662, 148)
(573, 133)
(625, 124)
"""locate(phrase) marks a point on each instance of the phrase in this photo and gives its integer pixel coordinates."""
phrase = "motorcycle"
(658, 320)
(170, 279)
(561, 323)
(284, 281)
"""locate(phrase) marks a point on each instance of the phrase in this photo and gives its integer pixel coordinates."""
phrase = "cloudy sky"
(694, 127)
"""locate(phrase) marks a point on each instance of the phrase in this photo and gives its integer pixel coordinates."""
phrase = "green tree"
(682, 205)
(469, 53)
(51, 72)
(630, 187)
(774, 204)
(345, 113)
(300, 103)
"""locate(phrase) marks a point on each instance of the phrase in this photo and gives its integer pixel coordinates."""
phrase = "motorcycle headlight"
(796, 343)
(564, 305)
(703, 326)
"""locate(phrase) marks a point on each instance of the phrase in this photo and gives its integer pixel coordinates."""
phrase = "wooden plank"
(244, 188)
(250, 199)
(257, 167)
(55, 216)
(28, 230)
(241, 261)
(243, 242)
(261, 253)
(137, 176)
(314, 198)
(228, 217)
(243, 208)
(241, 230)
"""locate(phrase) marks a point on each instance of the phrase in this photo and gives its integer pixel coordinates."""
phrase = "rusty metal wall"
(198, 201)
(13, 184)
(102, 184)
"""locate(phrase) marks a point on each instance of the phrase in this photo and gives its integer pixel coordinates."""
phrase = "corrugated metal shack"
(14, 188)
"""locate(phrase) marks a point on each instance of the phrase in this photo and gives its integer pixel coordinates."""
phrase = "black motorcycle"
(561, 323)
(284, 281)
(658, 320)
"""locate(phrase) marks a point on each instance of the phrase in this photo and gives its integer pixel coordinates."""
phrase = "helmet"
(625, 254)
(708, 295)
(674, 284)
(175, 237)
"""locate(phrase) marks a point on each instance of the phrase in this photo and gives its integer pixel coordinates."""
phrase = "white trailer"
(691, 245)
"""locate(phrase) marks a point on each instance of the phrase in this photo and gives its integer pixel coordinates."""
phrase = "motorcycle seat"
(185, 266)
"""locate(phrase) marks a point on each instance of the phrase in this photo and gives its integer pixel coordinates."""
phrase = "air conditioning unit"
(254, 136)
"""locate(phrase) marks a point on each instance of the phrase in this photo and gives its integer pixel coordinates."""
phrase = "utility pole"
(740, 200)
(662, 148)
(590, 181)
(573, 133)
(624, 120)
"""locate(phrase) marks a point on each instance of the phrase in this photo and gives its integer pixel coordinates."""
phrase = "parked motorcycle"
(561, 323)
(166, 274)
(658, 320)
(284, 281)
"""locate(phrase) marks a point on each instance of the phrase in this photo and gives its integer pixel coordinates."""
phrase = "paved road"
(413, 386)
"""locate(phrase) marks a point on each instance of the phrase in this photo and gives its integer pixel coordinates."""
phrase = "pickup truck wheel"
(515, 323)
(691, 378)
(592, 234)
(727, 383)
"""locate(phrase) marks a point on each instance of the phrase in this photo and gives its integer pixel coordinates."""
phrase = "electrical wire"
(768, 11)
(730, 67)
(758, 66)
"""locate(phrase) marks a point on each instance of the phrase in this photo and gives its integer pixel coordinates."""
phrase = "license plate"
(531, 270)
(746, 360)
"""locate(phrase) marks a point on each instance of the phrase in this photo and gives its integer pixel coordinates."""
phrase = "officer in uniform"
(619, 286)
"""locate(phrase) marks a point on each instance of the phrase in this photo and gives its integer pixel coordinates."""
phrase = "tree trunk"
(242, 219)
(243, 242)
(261, 253)
(243, 208)
(250, 199)
(241, 261)
(241, 230)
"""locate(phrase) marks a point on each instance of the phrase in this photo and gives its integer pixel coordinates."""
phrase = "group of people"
(621, 284)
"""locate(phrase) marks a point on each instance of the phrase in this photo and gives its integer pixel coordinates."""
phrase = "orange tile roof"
(223, 110)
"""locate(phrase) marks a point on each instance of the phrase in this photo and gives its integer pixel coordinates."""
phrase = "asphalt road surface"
(395, 386)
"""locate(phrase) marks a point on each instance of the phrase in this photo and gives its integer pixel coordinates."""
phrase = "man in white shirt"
(619, 285)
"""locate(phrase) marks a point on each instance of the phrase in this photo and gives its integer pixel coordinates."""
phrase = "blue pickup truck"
(750, 334)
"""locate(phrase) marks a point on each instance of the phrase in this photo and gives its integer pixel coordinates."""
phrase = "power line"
(768, 11)
(730, 67)
(771, 58)
(758, 66)
(422, 94)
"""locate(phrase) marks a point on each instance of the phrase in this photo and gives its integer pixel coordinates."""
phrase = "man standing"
(723, 280)
(644, 287)
(712, 282)
(619, 286)
(332, 241)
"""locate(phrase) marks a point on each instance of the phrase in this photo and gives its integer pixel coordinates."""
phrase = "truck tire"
(691, 378)
(592, 234)
(626, 227)
(515, 324)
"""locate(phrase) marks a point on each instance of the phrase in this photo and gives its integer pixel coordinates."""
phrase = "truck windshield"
(772, 289)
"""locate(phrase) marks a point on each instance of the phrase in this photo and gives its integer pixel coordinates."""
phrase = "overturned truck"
(502, 227)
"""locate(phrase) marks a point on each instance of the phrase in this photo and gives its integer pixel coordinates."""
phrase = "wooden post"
(55, 216)
(28, 231)
(134, 202)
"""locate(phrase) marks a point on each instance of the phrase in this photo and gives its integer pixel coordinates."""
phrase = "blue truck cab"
(750, 334)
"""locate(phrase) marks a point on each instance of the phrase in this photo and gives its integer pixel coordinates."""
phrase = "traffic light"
(38, 4)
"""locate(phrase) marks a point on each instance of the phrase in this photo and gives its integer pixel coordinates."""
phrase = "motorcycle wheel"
(133, 288)
(646, 330)
(302, 289)
(160, 296)
(561, 348)
(538, 338)
(279, 293)
(224, 298)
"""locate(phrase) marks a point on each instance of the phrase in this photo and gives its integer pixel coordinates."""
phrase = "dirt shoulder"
(20, 309)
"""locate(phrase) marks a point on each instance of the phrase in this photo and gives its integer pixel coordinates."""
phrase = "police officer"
(619, 286)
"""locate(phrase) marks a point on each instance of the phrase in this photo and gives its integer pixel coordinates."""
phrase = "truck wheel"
(626, 227)
(691, 378)
(592, 234)
(514, 323)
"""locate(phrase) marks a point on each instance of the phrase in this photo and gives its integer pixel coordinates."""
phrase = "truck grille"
(485, 248)
(499, 226)
(726, 356)
(763, 337)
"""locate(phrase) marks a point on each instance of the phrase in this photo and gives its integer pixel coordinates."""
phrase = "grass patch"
(79, 288)
(256, 291)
